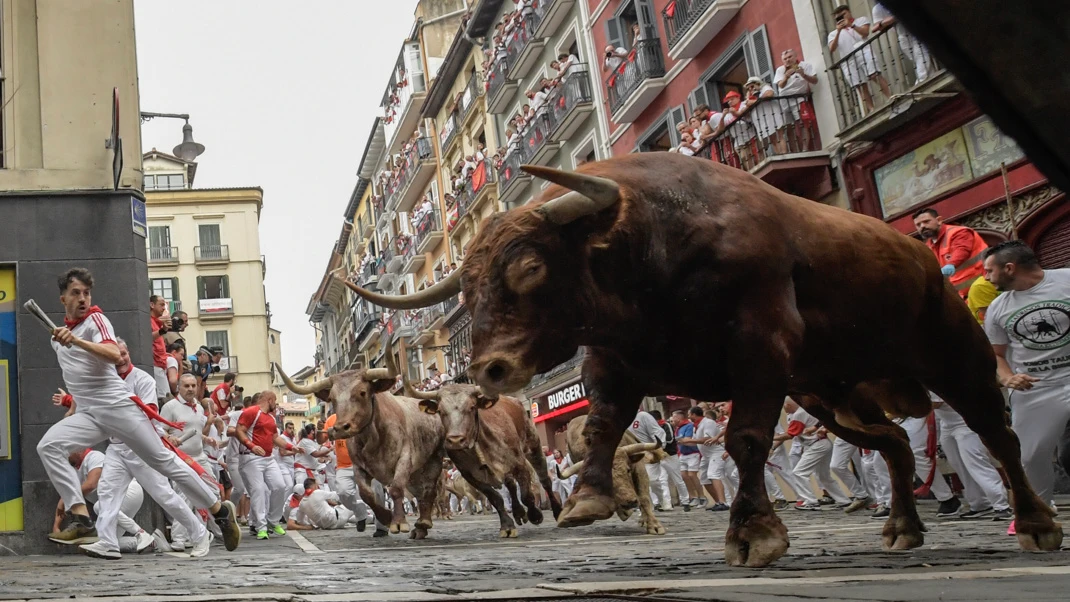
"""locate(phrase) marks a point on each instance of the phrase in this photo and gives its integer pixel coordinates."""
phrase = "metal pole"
(1010, 201)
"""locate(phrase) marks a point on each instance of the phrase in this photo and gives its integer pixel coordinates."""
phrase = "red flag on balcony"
(451, 218)
(479, 176)
(670, 10)
(631, 59)
(612, 80)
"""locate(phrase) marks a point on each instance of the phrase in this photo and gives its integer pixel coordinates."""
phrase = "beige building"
(204, 257)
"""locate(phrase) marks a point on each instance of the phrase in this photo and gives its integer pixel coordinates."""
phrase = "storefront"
(553, 411)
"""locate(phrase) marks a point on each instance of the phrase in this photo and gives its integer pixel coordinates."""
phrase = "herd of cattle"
(687, 278)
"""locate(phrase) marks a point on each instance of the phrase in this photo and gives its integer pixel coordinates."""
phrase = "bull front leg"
(520, 514)
(396, 491)
(615, 399)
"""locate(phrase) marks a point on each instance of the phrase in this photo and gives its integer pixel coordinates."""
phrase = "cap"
(755, 80)
(731, 94)
(299, 490)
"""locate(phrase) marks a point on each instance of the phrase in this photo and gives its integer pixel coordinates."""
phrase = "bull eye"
(525, 274)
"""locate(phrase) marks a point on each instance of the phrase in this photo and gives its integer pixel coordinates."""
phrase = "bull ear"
(381, 385)
(323, 395)
(486, 403)
(636, 457)
(428, 406)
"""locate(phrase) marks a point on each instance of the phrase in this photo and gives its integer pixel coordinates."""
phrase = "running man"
(258, 434)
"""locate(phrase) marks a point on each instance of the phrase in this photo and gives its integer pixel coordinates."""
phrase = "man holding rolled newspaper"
(87, 353)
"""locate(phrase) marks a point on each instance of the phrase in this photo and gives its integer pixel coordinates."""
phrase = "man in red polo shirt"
(959, 249)
(161, 323)
(221, 392)
(258, 434)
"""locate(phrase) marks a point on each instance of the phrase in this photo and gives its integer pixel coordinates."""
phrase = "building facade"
(61, 186)
(204, 257)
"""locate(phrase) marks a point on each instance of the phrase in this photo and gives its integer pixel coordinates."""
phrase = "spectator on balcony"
(795, 78)
(700, 129)
(479, 156)
(914, 50)
(638, 34)
(538, 99)
(685, 147)
(614, 57)
(850, 34)
(766, 116)
(742, 135)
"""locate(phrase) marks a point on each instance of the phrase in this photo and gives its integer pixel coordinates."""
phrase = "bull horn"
(412, 392)
(436, 293)
(635, 448)
(571, 470)
(391, 370)
(312, 389)
(588, 194)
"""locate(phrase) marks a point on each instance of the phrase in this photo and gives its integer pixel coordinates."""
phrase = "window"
(218, 338)
(272, 337)
(635, 21)
(662, 135)
(160, 244)
(413, 363)
(165, 287)
(213, 287)
(209, 235)
(164, 182)
(748, 56)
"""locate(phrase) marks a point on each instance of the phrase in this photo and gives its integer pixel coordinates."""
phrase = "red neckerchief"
(129, 369)
(72, 323)
(82, 459)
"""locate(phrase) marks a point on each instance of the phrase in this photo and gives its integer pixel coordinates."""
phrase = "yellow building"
(204, 257)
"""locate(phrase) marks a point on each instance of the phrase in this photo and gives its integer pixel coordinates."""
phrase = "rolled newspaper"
(32, 307)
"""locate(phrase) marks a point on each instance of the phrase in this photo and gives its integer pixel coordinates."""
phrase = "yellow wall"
(61, 60)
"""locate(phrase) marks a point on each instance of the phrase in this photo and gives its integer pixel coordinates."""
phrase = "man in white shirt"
(319, 509)
(187, 410)
(913, 49)
(1029, 328)
(850, 34)
(87, 354)
(816, 455)
(176, 352)
(795, 78)
(646, 429)
(614, 57)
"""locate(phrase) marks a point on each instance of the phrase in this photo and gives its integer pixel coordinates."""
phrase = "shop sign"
(560, 401)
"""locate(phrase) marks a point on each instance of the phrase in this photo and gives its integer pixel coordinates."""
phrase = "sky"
(282, 95)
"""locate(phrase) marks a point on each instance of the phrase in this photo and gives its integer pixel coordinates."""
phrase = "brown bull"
(492, 441)
(389, 439)
(631, 485)
(688, 277)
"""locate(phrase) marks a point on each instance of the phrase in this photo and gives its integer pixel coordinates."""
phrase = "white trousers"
(123, 468)
(878, 480)
(980, 479)
(267, 490)
(672, 469)
(815, 461)
(659, 485)
(919, 441)
(116, 505)
(1039, 417)
(127, 423)
(843, 454)
(563, 488)
(771, 486)
(916, 52)
(287, 471)
(778, 465)
(348, 494)
(794, 453)
(237, 483)
(342, 516)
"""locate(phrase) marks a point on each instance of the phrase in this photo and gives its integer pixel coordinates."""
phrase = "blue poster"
(10, 471)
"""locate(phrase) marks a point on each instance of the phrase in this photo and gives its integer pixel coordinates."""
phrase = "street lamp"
(188, 150)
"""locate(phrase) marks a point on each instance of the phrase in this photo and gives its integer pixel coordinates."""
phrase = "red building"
(670, 56)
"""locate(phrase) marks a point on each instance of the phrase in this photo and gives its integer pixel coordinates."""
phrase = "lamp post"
(188, 150)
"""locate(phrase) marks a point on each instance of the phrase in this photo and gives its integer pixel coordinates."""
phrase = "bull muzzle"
(334, 433)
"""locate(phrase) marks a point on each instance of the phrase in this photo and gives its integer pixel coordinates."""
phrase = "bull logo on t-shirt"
(1040, 326)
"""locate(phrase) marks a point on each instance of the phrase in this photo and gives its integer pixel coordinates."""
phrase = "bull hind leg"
(367, 494)
(520, 514)
(425, 505)
(524, 478)
(538, 464)
(868, 427)
(398, 522)
(615, 401)
(507, 526)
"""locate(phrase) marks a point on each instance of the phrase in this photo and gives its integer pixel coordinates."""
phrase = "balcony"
(426, 322)
(365, 226)
(428, 231)
(403, 99)
(449, 305)
(413, 259)
(636, 81)
(470, 97)
(387, 277)
(541, 379)
(227, 364)
(215, 309)
(523, 49)
(473, 190)
(367, 325)
(448, 133)
(570, 104)
(399, 248)
(554, 13)
(535, 148)
(776, 140)
(500, 89)
(369, 275)
(163, 256)
(263, 266)
(417, 169)
(400, 325)
(915, 84)
(690, 25)
(209, 254)
(511, 179)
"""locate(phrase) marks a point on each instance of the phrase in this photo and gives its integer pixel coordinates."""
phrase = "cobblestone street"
(832, 556)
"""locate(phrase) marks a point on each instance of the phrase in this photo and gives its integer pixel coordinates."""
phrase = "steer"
(389, 439)
(631, 486)
(688, 277)
(492, 441)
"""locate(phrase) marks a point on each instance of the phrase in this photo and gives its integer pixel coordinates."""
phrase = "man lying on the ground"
(318, 509)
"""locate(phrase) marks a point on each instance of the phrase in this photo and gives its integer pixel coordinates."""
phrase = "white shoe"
(100, 550)
(159, 541)
(200, 549)
(144, 542)
(179, 546)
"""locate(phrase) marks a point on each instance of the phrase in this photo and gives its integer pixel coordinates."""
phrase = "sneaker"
(231, 530)
(144, 542)
(780, 504)
(243, 521)
(687, 507)
(975, 514)
(278, 530)
(826, 500)
(949, 508)
(665, 508)
(717, 508)
(881, 512)
(702, 501)
(262, 534)
(1004, 514)
(75, 530)
(200, 549)
(362, 524)
(253, 530)
(856, 505)
(159, 541)
(381, 533)
(807, 506)
(1011, 530)
(179, 545)
(100, 549)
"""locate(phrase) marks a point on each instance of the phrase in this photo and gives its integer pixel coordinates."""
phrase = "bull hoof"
(654, 527)
(424, 524)
(507, 533)
(756, 542)
(418, 533)
(520, 515)
(394, 529)
(903, 533)
(535, 516)
(1036, 536)
(584, 508)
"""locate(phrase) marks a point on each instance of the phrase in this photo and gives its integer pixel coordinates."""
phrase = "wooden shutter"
(613, 34)
(647, 23)
(174, 290)
(676, 116)
(224, 287)
(697, 97)
(200, 288)
(759, 58)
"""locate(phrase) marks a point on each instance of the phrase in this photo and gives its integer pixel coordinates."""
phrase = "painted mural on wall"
(955, 158)
(10, 471)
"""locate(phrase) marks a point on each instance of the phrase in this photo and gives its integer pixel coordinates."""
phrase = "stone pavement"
(832, 556)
